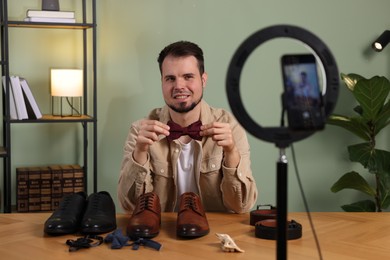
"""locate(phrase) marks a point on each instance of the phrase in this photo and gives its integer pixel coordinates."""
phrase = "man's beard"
(182, 108)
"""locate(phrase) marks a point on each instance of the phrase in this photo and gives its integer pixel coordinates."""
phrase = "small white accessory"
(228, 244)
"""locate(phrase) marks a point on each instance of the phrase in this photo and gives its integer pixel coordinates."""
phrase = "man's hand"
(149, 132)
(221, 133)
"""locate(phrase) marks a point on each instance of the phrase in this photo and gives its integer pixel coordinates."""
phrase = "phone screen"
(302, 96)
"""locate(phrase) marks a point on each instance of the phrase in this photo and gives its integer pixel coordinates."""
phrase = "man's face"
(182, 84)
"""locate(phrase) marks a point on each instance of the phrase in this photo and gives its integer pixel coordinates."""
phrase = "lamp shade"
(66, 82)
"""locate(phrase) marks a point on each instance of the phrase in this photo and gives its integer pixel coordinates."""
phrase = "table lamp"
(66, 92)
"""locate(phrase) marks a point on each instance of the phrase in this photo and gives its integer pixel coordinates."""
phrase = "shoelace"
(95, 202)
(189, 203)
(146, 202)
(65, 203)
(84, 242)
(98, 201)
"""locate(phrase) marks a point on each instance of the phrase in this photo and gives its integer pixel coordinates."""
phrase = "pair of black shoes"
(92, 215)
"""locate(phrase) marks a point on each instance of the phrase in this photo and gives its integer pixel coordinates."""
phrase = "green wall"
(130, 35)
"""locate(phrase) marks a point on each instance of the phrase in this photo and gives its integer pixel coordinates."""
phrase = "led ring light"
(281, 136)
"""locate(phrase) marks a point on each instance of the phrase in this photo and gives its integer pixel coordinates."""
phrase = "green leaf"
(372, 116)
(350, 80)
(382, 119)
(384, 190)
(358, 109)
(371, 95)
(355, 125)
(362, 153)
(375, 160)
(353, 180)
(360, 206)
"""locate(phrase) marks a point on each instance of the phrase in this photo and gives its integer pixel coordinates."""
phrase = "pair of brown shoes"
(146, 219)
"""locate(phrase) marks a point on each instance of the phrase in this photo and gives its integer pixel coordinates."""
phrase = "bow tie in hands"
(192, 130)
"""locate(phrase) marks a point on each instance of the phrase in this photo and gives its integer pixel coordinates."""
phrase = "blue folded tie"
(118, 240)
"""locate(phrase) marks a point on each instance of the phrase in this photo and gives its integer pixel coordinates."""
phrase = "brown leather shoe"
(191, 218)
(146, 219)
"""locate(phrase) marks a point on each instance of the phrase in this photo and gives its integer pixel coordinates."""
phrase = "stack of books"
(42, 188)
(22, 103)
(44, 16)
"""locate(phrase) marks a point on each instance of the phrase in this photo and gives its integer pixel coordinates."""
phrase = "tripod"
(281, 204)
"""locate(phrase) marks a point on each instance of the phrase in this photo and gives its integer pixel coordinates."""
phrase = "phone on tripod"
(302, 97)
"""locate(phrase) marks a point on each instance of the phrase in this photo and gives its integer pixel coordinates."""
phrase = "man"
(216, 167)
(304, 87)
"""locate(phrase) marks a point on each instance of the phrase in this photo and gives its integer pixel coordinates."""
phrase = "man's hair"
(182, 49)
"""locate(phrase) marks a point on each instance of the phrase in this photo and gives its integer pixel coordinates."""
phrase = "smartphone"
(302, 97)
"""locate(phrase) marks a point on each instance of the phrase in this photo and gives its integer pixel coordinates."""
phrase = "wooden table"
(342, 236)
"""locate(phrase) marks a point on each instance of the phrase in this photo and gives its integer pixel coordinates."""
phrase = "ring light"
(281, 136)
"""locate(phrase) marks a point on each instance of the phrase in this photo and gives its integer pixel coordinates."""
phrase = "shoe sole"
(135, 236)
(97, 230)
(59, 232)
(191, 234)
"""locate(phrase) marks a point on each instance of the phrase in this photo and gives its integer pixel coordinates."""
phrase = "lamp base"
(66, 106)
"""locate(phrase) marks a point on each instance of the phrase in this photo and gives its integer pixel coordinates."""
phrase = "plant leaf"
(371, 95)
(358, 109)
(375, 160)
(350, 80)
(384, 180)
(360, 206)
(382, 119)
(355, 125)
(353, 180)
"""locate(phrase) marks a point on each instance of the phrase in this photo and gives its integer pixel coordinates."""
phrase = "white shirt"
(185, 169)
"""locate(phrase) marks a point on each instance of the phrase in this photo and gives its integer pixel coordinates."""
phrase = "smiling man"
(185, 147)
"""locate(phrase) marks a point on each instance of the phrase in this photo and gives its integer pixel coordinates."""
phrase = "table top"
(347, 236)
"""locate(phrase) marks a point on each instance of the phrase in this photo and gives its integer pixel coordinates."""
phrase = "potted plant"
(372, 115)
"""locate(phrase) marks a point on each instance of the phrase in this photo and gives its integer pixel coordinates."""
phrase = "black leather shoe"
(99, 216)
(67, 217)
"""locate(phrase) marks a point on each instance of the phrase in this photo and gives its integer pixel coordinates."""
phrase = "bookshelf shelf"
(88, 27)
(22, 24)
(56, 119)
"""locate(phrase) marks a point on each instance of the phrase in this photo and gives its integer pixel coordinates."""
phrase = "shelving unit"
(90, 115)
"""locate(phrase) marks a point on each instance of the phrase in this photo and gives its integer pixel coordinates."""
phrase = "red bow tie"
(192, 130)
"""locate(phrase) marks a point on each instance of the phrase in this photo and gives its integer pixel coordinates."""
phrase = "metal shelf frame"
(90, 117)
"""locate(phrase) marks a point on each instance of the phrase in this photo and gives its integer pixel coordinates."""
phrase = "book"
(34, 189)
(78, 181)
(46, 180)
(56, 186)
(20, 105)
(12, 106)
(31, 105)
(49, 14)
(49, 20)
(42, 188)
(67, 180)
(22, 189)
